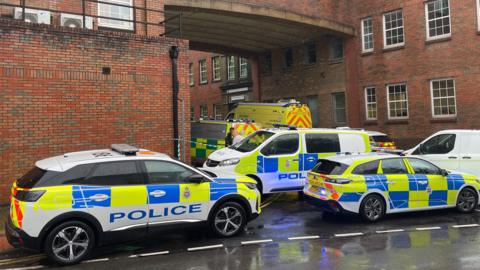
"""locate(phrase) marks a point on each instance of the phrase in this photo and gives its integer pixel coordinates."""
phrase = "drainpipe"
(174, 56)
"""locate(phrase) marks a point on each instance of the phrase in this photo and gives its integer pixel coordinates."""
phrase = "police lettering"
(152, 213)
(291, 176)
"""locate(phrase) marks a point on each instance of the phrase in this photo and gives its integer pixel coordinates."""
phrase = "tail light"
(28, 195)
(338, 181)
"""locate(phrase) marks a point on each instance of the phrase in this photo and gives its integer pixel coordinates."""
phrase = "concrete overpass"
(253, 26)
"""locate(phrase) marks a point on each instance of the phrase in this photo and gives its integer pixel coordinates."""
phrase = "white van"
(456, 150)
(279, 158)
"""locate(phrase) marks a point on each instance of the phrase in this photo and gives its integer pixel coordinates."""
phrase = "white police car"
(66, 205)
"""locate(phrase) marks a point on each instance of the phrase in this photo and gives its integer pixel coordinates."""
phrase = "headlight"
(229, 162)
(251, 185)
(338, 181)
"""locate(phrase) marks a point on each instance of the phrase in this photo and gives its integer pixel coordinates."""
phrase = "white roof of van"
(313, 130)
(459, 131)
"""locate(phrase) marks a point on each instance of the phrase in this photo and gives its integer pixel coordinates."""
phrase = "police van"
(66, 205)
(279, 158)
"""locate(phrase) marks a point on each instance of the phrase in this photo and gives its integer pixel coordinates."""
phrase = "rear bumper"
(326, 205)
(19, 239)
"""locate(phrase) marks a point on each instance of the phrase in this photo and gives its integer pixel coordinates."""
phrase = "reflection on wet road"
(295, 235)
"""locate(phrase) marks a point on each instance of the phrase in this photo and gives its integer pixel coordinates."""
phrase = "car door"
(395, 181)
(115, 194)
(317, 146)
(432, 186)
(279, 164)
(442, 150)
(171, 199)
(469, 157)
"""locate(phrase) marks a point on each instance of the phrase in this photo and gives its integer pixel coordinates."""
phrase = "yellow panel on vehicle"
(54, 198)
(190, 193)
(128, 196)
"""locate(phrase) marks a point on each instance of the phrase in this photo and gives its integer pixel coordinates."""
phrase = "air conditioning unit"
(75, 21)
(33, 15)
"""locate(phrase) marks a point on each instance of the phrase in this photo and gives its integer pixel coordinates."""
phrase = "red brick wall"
(416, 64)
(54, 98)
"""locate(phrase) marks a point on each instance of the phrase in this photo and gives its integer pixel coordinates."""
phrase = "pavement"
(291, 234)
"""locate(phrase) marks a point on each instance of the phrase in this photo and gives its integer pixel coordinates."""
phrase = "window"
(322, 143)
(440, 144)
(394, 166)
(423, 167)
(217, 69)
(443, 98)
(397, 100)
(367, 35)
(217, 112)
(311, 53)
(312, 102)
(282, 145)
(191, 76)
(116, 12)
(367, 168)
(203, 111)
(371, 103)
(288, 58)
(74, 175)
(329, 167)
(192, 113)
(253, 141)
(393, 29)
(231, 75)
(336, 49)
(243, 68)
(115, 174)
(203, 70)
(437, 15)
(478, 15)
(267, 62)
(163, 172)
(339, 108)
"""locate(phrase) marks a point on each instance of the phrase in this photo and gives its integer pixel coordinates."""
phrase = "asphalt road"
(291, 234)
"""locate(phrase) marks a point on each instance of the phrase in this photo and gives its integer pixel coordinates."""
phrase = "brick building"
(69, 89)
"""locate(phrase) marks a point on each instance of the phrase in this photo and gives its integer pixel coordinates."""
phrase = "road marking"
(27, 268)
(304, 237)
(391, 231)
(466, 226)
(96, 260)
(256, 242)
(151, 254)
(428, 228)
(348, 234)
(205, 247)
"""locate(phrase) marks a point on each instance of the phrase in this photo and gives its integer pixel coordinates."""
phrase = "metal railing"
(85, 12)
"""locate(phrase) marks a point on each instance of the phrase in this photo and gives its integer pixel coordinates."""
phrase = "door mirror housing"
(444, 172)
(195, 179)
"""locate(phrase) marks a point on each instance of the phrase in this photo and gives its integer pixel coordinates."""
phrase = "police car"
(375, 185)
(279, 158)
(66, 205)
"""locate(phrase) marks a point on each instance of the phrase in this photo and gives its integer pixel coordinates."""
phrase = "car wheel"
(467, 200)
(69, 243)
(228, 220)
(372, 208)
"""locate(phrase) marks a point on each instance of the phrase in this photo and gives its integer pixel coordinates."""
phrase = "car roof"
(313, 130)
(375, 133)
(69, 160)
(458, 131)
(349, 159)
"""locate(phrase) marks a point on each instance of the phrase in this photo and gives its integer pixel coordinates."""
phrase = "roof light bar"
(124, 149)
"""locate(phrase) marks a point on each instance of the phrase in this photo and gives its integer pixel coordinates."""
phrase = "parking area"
(292, 232)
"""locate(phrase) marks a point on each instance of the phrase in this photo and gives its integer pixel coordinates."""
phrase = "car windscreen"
(381, 138)
(34, 176)
(330, 167)
(253, 141)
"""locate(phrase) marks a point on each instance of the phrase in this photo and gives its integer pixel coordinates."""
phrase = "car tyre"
(372, 208)
(467, 200)
(69, 243)
(228, 219)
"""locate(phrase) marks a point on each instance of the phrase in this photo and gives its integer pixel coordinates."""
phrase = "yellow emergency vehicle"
(373, 185)
(290, 113)
(209, 136)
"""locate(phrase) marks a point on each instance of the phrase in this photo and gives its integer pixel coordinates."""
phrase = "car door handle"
(158, 193)
(423, 182)
(296, 160)
(452, 157)
(311, 159)
(390, 182)
(467, 157)
(99, 197)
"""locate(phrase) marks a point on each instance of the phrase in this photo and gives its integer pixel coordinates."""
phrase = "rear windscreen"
(382, 138)
(35, 175)
(208, 131)
(329, 167)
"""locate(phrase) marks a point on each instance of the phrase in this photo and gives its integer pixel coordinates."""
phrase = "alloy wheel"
(70, 243)
(373, 208)
(228, 220)
(467, 200)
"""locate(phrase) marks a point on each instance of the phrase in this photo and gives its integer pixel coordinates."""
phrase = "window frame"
(305, 142)
(271, 140)
(130, 26)
(478, 16)
(334, 107)
(215, 112)
(147, 178)
(388, 102)
(409, 159)
(332, 47)
(191, 74)
(427, 27)
(288, 52)
(216, 67)
(432, 98)
(202, 71)
(231, 68)
(380, 165)
(243, 64)
(366, 88)
(206, 110)
(97, 164)
(385, 46)
(311, 47)
(364, 50)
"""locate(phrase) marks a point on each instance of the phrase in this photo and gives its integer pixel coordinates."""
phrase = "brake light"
(338, 181)
(28, 195)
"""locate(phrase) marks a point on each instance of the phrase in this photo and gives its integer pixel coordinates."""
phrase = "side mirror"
(195, 179)
(444, 172)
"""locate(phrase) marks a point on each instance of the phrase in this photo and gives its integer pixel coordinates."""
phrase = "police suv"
(66, 205)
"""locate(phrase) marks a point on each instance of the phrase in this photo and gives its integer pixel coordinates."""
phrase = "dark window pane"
(440, 144)
(394, 166)
(282, 145)
(322, 143)
(115, 174)
(163, 172)
(367, 168)
(423, 167)
(329, 167)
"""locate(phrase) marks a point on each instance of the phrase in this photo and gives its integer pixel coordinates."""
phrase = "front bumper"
(19, 239)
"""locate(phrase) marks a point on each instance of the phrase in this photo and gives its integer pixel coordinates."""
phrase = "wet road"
(291, 234)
